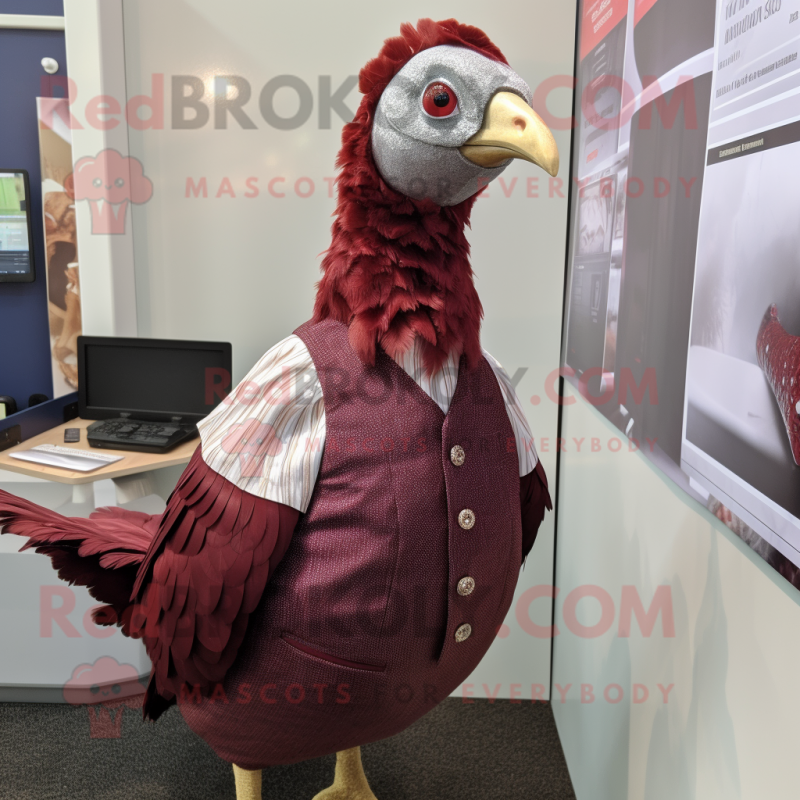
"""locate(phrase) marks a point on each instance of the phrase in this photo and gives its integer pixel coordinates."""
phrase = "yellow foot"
(350, 782)
(248, 783)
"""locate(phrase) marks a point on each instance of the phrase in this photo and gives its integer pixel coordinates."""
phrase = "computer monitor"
(151, 379)
(16, 235)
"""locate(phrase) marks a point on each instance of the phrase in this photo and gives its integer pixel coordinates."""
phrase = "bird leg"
(350, 782)
(248, 783)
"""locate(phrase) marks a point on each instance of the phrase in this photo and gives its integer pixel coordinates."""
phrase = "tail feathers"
(102, 552)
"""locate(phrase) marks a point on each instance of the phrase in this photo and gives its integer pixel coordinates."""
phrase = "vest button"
(466, 519)
(466, 586)
(457, 455)
(463, 632)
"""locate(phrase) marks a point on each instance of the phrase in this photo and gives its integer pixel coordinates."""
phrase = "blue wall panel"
(24, 336)
(50, 7)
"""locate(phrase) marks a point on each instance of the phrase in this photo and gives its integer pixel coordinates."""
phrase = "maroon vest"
(366, 596)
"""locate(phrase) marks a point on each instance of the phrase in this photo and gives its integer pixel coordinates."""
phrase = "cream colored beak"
(512, 129)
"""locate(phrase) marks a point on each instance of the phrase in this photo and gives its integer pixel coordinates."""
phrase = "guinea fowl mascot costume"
(344, 545)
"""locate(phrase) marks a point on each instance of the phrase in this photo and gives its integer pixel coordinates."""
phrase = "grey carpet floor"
(457, 751)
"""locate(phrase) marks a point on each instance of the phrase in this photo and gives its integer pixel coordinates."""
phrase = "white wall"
(243, 270)
(96, 65)
(729, 727)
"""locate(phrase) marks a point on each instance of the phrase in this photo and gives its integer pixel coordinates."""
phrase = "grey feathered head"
(449, 123)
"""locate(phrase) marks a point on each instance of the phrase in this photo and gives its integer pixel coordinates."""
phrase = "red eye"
(439, 100)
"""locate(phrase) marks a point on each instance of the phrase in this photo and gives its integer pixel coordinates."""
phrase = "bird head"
(451, 120)
(442, 115)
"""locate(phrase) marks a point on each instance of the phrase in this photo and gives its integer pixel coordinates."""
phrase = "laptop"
(149, 394)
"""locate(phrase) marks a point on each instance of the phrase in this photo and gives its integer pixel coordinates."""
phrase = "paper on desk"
(66, 457)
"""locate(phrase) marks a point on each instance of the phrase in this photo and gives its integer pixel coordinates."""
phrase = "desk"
(33, 666)
(132, 464)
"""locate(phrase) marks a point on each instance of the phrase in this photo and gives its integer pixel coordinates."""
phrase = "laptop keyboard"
(131, 430)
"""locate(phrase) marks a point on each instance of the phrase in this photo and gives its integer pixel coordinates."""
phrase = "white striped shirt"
(268, 436)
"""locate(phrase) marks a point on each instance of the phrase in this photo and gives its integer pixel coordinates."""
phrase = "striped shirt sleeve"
(526, 450)
(268, 435)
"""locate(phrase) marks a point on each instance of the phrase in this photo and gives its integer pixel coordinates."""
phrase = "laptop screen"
(158, 379)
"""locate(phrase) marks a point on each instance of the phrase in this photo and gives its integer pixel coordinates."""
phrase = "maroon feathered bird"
(343, 547)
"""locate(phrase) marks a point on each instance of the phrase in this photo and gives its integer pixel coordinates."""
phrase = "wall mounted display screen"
(683, 302)
(16, 238)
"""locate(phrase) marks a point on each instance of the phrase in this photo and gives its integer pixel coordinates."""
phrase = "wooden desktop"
(132, 463)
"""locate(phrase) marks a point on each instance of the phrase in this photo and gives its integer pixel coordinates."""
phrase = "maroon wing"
(534, 498)
(202, 577)
(101, 553)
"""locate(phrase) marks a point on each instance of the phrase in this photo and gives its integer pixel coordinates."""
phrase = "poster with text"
(683, 307)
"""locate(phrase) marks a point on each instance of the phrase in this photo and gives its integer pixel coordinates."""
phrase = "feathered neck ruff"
(399, 268)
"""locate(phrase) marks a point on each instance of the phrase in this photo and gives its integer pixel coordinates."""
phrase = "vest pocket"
(312, 650)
